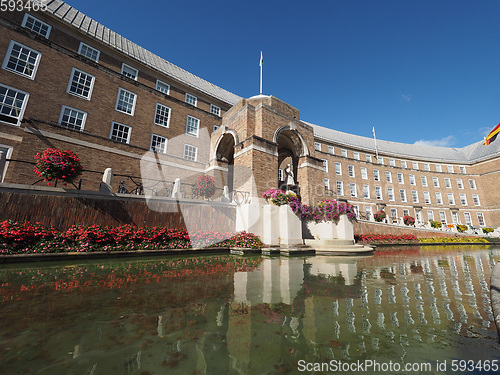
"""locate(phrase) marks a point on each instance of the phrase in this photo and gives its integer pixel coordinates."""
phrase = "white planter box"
(290, 227)
(324, 230)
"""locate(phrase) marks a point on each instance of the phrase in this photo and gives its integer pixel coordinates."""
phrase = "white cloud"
(443, 142)
(406, 97)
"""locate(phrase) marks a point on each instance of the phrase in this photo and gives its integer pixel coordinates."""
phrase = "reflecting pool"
(223, 314)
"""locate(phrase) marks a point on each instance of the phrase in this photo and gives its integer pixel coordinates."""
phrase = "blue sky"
(416, 70)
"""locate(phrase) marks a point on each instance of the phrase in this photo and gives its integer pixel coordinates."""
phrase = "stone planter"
(323, 230)
(290, 227)
(345, 229)
(270, 235)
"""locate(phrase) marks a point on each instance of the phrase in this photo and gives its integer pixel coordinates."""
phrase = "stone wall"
(367, 227)
(63, 208)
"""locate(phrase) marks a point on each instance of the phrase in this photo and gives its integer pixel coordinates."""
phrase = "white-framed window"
(37, 26)
(125, 102)
(480, 219)
(163, 87)
(340, 188)
(450, 169)
(467, 218)
(415, 165)
(366, 191)
(460, 183)
(338, 168)
(317, 146)
(404, 164)
(343, 153)
(390, 194)
(392, 162)
(368, 212)
(72, 118)
(355, 155)
(356, 210)
(129, 71)
(447, 183)
(451, 199)
(190, 152)
(380, 160)
(12, 104)
(325, 165)
(475, 199)
(418, 216)
(21, 60)
(439, 168)
(192, 126)
(162, 115)
(81, 84)
(442, 217)
(427, 167)
(376, 175)
(89, 52)
(120, 132)
(400, 178)
(412, 180)
(472, 184)
(216, 127)
(364, 173)
(424, 180)
(326, 182)
(394, 213)
(462, 169)
(352, 186)
(414, 196)
(368, 158)
(439, 198)
(158, 144)
(435, 182)
(280, 174)
(191, 99)
(378, 192)
(350, 169)
(427, 197)
(463, 199)
(388, 176)
(406, 212)
(402, 194)
(430, 215)
(454, 217)
(331, 150)
(5, 154)
(215, 110)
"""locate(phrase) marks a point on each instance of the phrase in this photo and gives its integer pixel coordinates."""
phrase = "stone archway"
(291, 146)
(224, 156)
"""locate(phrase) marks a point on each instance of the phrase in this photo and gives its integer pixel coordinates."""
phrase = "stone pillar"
(270, 215)
(107, 181)
(345, 230)
(290, 227)
(176, 190)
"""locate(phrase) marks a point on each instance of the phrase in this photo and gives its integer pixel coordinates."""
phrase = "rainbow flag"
(493, 134)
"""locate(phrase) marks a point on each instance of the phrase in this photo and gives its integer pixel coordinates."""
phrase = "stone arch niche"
(291, 147)
(224, 156)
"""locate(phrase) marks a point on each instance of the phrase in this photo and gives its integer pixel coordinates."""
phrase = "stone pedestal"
(270, 215)
(322, 230)
(290, 227)
(345, 230)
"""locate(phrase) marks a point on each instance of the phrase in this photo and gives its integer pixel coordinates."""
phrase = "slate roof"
(87, 25)
(466, 155)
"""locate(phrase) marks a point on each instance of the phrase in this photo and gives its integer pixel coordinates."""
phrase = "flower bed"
(25, 238)
(385, 238)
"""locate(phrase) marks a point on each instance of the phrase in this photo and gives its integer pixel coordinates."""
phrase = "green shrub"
(436, 224)
(488, 230)
(462, 228)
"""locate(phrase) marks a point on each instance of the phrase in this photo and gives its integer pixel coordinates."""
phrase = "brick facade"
(256, 137)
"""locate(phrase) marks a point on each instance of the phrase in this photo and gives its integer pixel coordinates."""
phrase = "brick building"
(67, 81)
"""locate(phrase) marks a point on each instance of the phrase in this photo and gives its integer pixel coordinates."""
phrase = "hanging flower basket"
(204, 186)
(409, 220)
(380, 216)
(54, 165)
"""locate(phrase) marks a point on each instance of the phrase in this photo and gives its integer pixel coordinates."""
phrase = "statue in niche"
(289, 179)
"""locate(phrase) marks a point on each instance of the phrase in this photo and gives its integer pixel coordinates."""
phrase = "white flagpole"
(261, 63)
(375, 139)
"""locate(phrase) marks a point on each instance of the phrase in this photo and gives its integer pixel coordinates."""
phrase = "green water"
(427, 307)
